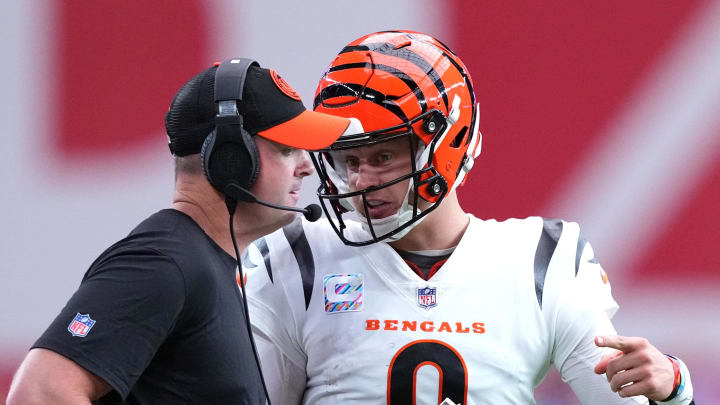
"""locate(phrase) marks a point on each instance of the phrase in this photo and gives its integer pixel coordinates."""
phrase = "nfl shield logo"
(426, 297)
(81, 325)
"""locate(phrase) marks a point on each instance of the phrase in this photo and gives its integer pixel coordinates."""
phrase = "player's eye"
(352, 163)
(384, 157)
(288, 151)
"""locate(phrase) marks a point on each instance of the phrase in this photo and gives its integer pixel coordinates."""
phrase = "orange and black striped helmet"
(400, 83)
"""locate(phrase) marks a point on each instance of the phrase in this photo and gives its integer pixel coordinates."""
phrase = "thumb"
(601, 366)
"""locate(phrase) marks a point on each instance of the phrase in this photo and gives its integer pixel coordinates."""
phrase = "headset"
(229, 155)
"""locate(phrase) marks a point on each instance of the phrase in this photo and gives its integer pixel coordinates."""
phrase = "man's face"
(282, 169)
(374, 165)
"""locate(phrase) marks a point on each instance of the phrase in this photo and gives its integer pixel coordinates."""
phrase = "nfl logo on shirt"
(426, 297)
(81, 325)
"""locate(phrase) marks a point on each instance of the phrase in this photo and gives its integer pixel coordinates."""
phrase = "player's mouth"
(379, 209)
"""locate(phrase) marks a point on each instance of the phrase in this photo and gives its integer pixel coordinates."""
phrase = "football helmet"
(395, 85)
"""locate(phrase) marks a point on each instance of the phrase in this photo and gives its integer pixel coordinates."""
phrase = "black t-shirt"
(159, 317)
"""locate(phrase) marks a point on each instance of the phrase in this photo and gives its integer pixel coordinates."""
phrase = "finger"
(601, 366)
(634, 389)
(626, 377)
(625, 362)
(622, 343)
(618, 363)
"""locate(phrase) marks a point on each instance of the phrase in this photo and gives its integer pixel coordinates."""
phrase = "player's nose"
(366, 176)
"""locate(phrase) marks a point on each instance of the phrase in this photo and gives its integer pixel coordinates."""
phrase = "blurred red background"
(601, 113)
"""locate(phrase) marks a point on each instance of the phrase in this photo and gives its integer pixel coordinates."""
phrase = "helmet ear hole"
(458, 141)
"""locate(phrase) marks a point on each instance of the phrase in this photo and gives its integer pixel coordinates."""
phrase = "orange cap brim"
(310, 130)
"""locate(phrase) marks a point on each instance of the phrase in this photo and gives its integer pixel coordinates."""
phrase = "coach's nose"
(304, 166)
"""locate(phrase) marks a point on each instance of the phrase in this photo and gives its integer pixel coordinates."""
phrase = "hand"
(637, 362)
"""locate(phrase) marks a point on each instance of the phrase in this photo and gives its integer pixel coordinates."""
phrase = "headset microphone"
(312, 212)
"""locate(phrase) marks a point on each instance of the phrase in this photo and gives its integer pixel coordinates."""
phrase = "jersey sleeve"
(125, 307)
(577, 321)
(578, 371)
(576, 298)
(284, 379)
(271, 308)
(578, 306)
(591, 388)
(593, 278)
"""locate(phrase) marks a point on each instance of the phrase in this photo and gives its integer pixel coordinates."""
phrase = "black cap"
(270, 108)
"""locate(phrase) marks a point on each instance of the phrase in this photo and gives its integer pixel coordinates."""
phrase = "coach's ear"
(46, 377)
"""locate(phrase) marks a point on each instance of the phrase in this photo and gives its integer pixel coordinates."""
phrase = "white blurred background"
(603, 113)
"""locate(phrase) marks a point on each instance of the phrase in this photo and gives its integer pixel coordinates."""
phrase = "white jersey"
(357, 326)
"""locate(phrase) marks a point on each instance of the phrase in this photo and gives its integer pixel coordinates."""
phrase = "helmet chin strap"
(388, 224)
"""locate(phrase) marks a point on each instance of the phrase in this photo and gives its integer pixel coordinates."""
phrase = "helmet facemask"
(342, 203)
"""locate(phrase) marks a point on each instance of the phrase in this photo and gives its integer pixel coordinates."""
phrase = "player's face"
(282, 169)
(374, 165)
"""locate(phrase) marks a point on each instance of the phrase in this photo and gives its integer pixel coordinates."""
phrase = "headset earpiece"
(229, 154)
(230, 158)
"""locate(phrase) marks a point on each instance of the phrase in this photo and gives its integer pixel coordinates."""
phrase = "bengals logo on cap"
(284, 86)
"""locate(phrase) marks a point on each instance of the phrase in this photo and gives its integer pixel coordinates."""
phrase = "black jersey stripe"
(265, 252)
(410, 56)
(580, 248)
(262, 246)
(552, 229)
(295, 235)
(395, 72)
(358, 91)
(246, 262)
